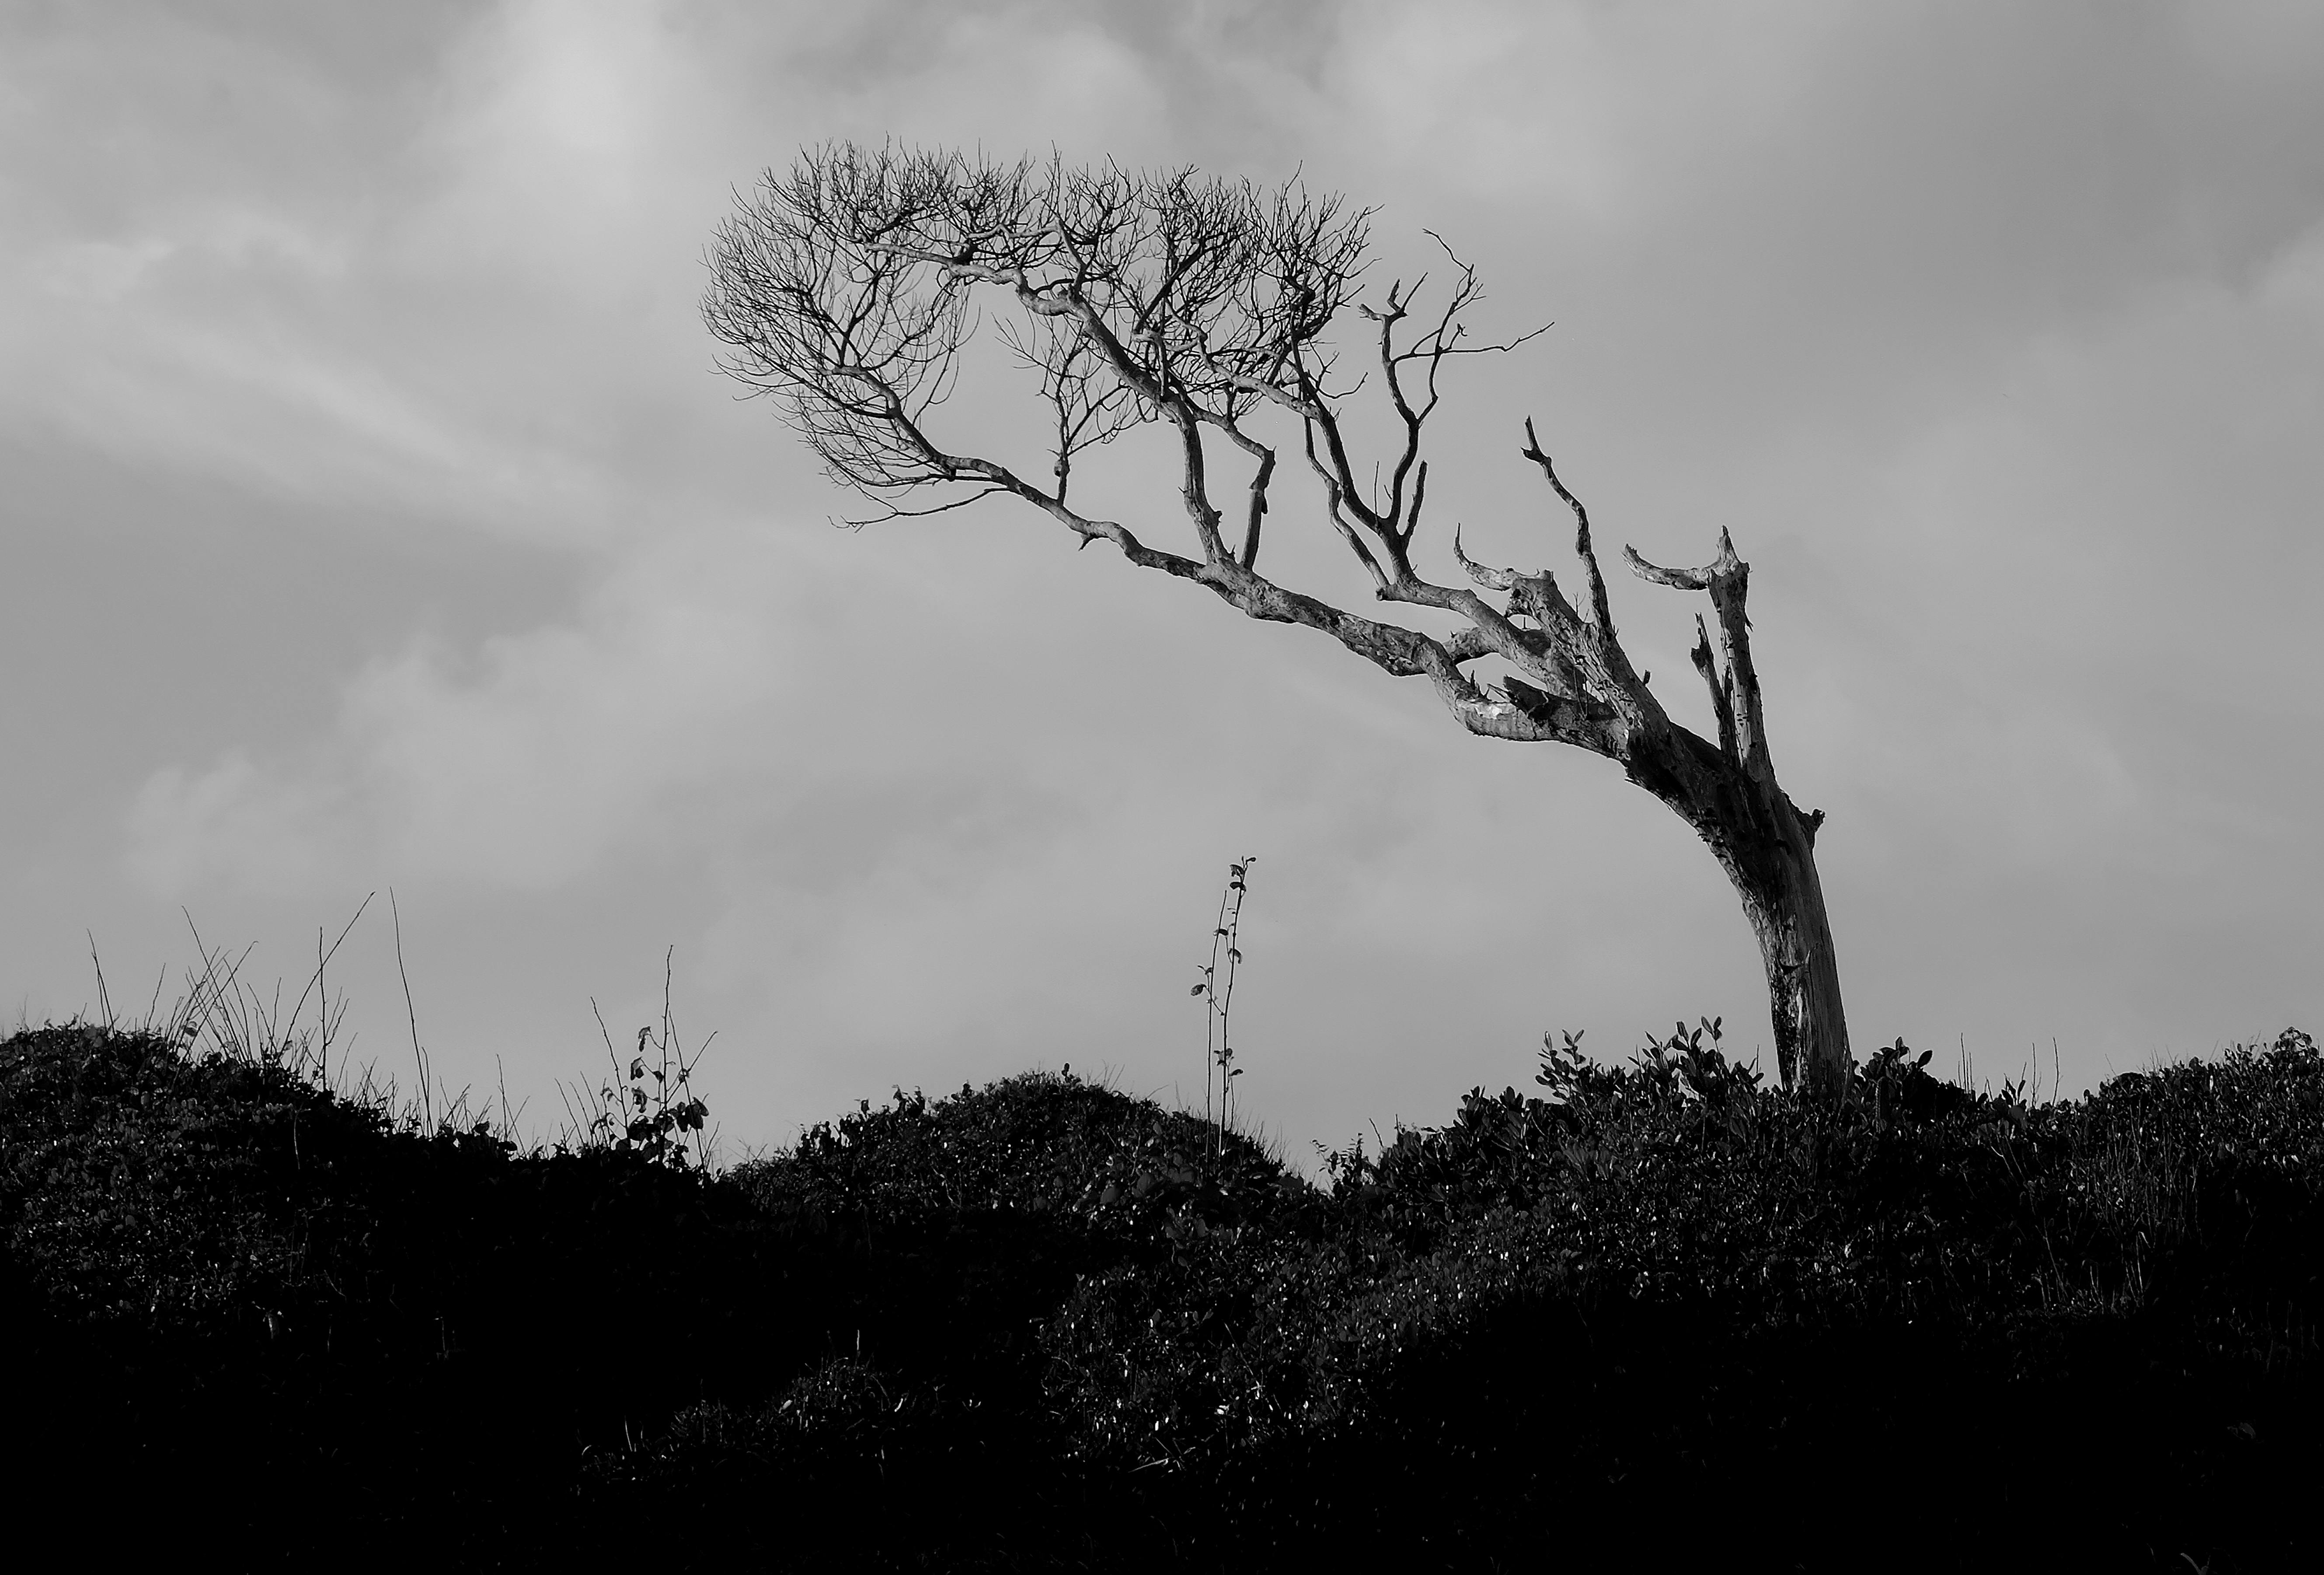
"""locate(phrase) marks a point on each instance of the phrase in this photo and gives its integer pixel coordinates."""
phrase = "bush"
(1044, 1325)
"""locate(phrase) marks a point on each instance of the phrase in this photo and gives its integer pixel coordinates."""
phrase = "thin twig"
(315, 984)
(104, 1000)
(418, 1055)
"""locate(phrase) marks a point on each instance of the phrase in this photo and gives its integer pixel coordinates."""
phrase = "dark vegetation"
(1043, 1325)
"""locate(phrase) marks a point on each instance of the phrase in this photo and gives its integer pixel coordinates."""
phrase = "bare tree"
(845, 290)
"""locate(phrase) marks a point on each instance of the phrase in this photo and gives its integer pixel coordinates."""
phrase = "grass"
(1043, 1325)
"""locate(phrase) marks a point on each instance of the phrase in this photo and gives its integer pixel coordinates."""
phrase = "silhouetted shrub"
(1044, 1325)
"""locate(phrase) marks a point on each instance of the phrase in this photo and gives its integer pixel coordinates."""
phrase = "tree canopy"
(1228, 315)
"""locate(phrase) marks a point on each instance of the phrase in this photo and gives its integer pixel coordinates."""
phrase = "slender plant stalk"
(1218, 1049)
(426, 1093)
(658, 1120)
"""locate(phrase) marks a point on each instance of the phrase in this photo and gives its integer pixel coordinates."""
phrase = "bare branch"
(1722, 702)
(1256, 511)
(1466, 645)
(1742, 712)
(1492, 579)
(1334, 499)
(1599, 608)
(1687, 579)
(1498, 348)
(890, 512)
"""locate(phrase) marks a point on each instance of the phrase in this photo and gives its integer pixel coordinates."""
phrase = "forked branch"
(1734, 692)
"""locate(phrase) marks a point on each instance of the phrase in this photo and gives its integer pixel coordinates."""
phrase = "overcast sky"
(374, 519)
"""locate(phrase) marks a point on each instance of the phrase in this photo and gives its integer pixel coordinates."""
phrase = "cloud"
(1992, 334)
(2293, 281)
(518, 767)
(188, 827)
(358, 287)
(1575, 111)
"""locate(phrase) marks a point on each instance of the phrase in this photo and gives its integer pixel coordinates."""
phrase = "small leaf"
(1198, 990)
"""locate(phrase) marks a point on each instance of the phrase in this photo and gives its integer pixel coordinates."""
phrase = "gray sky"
(374, 519)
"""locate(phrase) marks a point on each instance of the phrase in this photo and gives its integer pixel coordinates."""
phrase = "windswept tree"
(1219, 314)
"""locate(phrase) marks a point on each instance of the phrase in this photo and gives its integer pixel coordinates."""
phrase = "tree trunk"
(1767, 848)
(1728, 792)
(1783, 899)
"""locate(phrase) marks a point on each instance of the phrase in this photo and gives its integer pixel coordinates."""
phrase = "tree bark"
(1767, 848)
(1784, 900)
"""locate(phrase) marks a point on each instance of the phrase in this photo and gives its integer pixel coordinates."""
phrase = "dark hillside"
(1043, 1325)
(256, 1299)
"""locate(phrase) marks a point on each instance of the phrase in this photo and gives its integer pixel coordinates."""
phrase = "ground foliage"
(1044, 1325)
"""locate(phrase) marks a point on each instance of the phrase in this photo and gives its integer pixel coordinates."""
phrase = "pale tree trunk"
(1767, 848)
(1795, 948)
